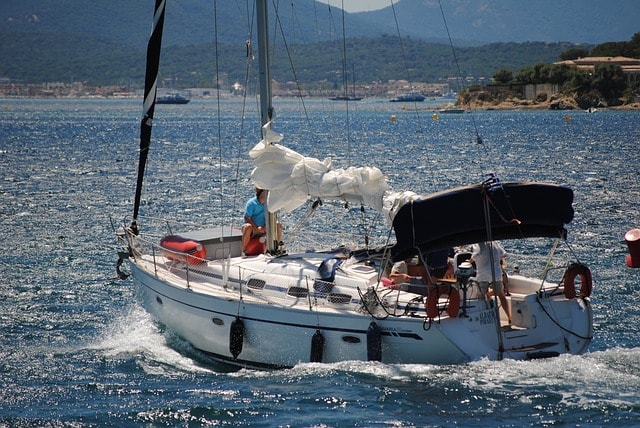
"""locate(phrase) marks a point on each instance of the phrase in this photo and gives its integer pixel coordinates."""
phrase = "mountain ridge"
(470, 22)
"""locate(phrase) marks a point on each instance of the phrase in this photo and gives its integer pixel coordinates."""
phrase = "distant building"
(630, 66)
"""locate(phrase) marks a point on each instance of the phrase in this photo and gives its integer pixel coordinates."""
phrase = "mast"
(150, 86)
(266, 109)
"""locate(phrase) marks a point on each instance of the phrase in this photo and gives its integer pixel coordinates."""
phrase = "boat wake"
(591, 381)
(603, 379)
(136, 336)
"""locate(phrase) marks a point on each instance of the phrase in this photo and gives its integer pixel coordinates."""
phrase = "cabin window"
(255, 284)
(339, 298)
(297, 292)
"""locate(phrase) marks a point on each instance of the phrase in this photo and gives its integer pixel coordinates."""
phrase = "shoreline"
(510, 107)
(564, 104)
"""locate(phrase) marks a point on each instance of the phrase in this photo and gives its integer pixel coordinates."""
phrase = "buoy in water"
(633, 242)
(374, 343)
(394, 119)
(567, 119)
(317, 347)
(435, 116)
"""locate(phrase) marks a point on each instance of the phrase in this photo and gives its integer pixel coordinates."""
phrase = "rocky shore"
(552, 103)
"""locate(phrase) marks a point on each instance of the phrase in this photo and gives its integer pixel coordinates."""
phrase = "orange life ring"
(586, 282)
(434, 295)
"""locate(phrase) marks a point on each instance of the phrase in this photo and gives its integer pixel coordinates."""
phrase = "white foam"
(135, 334)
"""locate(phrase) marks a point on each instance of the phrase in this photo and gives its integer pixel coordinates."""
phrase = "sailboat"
(345, 96)
(277, 309)
(345, 84)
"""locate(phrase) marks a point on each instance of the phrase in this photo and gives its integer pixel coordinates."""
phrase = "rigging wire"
(406, 67)
(291, 62)
(299, 90)
(247, 78)
(345, 84)
(219, 109)
(479, 139)
(404, 57)
(333, 32)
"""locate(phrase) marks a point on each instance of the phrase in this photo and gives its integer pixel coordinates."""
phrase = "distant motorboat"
(172, 98)
(412, 97)
(345, 98)
(452, 110)
(591, 110)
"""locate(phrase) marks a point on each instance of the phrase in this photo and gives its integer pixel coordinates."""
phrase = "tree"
(559, 73)
(609, 80)
(538, 73)
(503, 76)
(635, 46)
(579, 81)
(573, 54)
(612, 49)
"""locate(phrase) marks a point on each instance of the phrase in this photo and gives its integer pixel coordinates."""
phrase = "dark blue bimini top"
(460, 216)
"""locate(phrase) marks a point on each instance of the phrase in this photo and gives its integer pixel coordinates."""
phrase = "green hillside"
(62, 57)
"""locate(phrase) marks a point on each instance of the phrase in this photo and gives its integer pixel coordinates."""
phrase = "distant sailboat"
(452, 110)
(345, 96)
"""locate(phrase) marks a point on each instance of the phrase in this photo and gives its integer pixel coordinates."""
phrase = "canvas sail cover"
(292, 179)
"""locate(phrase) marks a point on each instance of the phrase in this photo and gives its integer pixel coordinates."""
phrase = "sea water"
(76, 349)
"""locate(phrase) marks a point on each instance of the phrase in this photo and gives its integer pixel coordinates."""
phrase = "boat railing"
(311, 239)
(162, 226)
(552, 284)
(169, 259)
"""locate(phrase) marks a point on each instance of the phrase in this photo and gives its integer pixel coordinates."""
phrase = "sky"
(359, 5)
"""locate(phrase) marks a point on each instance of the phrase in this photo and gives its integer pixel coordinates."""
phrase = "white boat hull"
(278, 334)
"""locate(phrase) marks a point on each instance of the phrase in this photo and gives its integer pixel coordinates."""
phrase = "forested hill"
(61, 57)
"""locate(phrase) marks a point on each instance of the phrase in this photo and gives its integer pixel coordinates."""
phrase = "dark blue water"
(77, 350)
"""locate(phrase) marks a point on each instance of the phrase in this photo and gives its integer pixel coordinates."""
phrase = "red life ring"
(434, 295)
(586, 282)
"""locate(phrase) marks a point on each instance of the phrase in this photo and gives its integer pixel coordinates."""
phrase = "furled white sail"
(292, 179)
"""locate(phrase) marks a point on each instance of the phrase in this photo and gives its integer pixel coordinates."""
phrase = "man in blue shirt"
(254, 219)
